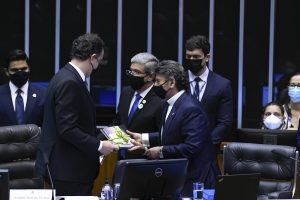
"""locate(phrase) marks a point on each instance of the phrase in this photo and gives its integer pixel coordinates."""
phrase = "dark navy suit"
(217, 102)
(34, 107)
(185, 135)
(69, 139)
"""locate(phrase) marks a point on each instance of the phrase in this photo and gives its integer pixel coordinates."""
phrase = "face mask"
(193, 65)
(159, 91)
(294, 93)
(136, 82)
(19, 78)
(272, 122)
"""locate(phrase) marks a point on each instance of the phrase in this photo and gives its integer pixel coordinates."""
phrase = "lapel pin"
(34, 95)
(140, 106)
(144, 101)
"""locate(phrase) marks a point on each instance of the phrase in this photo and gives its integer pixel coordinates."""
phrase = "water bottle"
(107, 191)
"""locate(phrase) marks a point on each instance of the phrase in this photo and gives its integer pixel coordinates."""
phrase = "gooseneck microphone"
(46, 160)
(283, 154)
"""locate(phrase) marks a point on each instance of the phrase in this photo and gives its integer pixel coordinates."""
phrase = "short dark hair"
(198, 42)
(273, 103)
(86, 45)
(15, 55)
(172, 69)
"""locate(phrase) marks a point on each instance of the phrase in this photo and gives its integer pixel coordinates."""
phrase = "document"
(118, 136)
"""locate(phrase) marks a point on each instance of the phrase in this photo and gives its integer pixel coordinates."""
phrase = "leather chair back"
(278, 173)
(18, 146)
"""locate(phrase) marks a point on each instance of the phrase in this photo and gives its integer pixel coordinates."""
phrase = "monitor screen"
(150, 179)
(267, 136)
(4, 190)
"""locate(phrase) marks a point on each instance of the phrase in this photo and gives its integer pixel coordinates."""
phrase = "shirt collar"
(203, 76)
(78, 70)
(174, 98)
(14, 88)
(145, 92)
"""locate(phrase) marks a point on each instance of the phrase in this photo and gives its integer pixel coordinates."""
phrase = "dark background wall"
(165, 15)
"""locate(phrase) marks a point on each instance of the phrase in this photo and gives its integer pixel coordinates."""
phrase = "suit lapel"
(208, 88)
(171, 116)
(145, 101)
(10, 107)
(31, 100)
(126, 102)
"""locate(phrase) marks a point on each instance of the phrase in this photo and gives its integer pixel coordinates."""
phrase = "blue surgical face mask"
(294, 93)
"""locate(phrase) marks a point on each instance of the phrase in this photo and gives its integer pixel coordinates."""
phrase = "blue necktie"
(19, 104)
(196, 88)
(134, 107)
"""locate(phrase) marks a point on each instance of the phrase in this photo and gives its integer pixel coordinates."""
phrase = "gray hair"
(149, 61)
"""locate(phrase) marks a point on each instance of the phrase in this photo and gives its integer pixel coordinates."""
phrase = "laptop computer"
(237, 187)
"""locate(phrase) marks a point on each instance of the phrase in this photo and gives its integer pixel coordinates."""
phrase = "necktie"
(134, 107)
(196, 88)
(19, 104)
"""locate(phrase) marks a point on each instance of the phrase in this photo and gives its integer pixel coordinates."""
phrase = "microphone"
(46, 160)
(283, 154)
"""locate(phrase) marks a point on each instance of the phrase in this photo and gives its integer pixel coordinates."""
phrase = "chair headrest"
(18, 142)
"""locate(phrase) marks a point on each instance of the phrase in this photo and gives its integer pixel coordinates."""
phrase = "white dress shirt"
(13, 92)
(202, 83)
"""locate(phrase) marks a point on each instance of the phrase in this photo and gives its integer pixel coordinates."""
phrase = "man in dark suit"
(212, 90)
(139, 108)
(21, 102)
(69, 140)
(184, 129)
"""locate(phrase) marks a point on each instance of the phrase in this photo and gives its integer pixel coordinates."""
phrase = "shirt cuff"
(161, 155)
(100, 146)
(145, 139)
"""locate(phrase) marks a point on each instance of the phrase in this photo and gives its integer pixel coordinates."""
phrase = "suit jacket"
(34, 108)
(185, 135)
(144, 120)
(68, 138)
(217, 102)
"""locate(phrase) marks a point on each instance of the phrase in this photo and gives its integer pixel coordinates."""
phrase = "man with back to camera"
(139, 108)
(69, 140)
(212, 90)
(183, 133)
(21, 102)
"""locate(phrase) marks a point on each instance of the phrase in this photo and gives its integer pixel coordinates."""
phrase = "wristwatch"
(161, 152)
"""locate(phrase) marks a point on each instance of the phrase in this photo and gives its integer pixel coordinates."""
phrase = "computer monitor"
(150, 179)
(4, 189)
(267, 136)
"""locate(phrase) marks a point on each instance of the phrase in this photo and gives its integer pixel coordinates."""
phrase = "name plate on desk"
(28, 194)
(77, 198)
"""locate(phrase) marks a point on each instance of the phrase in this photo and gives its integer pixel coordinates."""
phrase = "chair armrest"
(280, 195)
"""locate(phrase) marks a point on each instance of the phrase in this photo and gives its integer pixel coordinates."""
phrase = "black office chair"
(278, 172)
(18, 146)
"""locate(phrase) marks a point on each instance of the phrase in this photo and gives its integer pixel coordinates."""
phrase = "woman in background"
(273, 117)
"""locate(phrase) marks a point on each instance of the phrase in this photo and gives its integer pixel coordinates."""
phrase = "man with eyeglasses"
(139, 108)
(183, 133)
(21, 102)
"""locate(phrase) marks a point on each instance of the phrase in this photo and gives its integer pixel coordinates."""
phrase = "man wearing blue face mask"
(22, 102)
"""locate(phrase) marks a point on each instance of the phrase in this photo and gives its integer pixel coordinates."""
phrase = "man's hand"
(138, 148)
(136, 136)
(153, 153)
(108, 147)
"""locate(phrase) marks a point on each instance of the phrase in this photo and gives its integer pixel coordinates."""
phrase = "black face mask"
(159, 91)
(19, 78)
(193, 65)
(136, 82)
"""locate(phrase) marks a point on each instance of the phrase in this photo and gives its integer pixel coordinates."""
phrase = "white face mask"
(272, 122)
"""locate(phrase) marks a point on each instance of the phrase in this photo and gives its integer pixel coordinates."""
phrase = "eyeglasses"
(293, 85)
(135, 73)
(14, 70)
